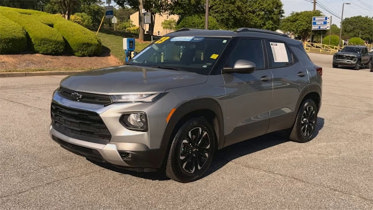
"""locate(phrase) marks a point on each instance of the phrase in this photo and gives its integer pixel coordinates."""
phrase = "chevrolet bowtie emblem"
(76, 96)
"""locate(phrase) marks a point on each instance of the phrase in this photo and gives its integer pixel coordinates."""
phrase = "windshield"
(351, 49)
(185, 53)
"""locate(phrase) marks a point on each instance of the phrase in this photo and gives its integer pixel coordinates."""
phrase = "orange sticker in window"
(214, 56)
(161, 40)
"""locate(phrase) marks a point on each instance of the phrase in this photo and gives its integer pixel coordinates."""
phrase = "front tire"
(357, 66)
(191, 151)
(305, 123)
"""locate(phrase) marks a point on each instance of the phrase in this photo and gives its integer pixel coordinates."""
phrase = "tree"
(29, 4)
(68, 7)
(299, 23)
(95, 11)
(123, 14)
(231, 14)
(335, 29)
(197, 21)
(358, 26)
(169, 24)
(185, 8)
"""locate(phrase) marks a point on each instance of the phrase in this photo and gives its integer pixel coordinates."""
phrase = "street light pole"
(340, 30)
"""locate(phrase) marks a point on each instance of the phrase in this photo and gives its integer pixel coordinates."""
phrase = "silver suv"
(187, 95)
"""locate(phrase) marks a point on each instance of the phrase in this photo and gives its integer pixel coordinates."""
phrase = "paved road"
(334, 171)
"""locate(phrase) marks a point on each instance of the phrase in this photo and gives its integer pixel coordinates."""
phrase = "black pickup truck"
(352, 56)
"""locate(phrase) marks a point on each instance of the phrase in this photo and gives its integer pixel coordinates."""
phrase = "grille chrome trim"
(84, 97)
(79, 124)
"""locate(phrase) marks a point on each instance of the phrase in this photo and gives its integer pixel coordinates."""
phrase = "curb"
(40, 73)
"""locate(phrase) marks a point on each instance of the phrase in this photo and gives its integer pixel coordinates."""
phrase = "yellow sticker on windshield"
(161, 40)
(214, 56)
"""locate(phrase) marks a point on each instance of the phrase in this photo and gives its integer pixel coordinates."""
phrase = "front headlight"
(136, 97)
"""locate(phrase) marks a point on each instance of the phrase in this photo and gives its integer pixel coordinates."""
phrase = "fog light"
(125, 155)
(135, 121)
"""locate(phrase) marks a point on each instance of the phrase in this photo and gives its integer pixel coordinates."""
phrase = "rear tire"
(305, 123)
(191, 151)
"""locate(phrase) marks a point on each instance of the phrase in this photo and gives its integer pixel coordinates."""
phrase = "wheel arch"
(208, 108)
(311, 92)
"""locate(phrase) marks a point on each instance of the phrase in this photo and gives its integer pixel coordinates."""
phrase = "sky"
(331, 8)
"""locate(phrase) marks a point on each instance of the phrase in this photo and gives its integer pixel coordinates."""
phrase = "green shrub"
(123, 26)
(82, 41)
(356, 41)
(44, 39)
(334, 39)
(52, 34)
(12, 37)
(82, 19)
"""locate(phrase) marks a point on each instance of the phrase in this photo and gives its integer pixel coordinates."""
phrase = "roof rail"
(183, 29)
(260, 31)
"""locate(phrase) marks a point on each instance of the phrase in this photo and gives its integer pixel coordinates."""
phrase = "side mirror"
(241, 66)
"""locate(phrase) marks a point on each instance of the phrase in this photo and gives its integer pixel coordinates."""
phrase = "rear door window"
(279, 54)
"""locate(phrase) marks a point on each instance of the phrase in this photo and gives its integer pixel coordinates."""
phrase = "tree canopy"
(299, 23)
(232, 14)
(358, 26)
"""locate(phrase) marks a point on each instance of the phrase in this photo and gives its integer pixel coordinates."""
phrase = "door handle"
(301, 74)
(264, 79)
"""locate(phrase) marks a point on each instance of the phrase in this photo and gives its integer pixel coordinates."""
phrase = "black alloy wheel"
(308, 120)
(191, 151)
(305, 124)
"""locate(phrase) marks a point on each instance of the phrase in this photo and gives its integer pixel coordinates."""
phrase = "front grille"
(346, 57)
(84, 97)
(79, 124)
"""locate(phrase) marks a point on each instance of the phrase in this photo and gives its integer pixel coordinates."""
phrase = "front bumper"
(131, 155)
(344, 62)
(126, 148)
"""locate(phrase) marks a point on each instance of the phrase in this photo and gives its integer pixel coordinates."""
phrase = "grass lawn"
(115, 44)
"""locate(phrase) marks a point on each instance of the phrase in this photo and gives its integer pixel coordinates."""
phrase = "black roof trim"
(260, 31)
(183, 29)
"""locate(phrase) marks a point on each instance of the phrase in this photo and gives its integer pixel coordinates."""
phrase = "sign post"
(114, 21)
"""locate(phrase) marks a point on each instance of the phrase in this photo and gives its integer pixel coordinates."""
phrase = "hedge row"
(44, 39)
(52, 34)
(81, 40)
(12, 37)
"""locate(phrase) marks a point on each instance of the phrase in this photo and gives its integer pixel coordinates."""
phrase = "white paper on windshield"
(182, 39)
(279, 52)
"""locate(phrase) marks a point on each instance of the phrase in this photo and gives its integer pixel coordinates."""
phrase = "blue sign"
(109, 13)
(320, 23)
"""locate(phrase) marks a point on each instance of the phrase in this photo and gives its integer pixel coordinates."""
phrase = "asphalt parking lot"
(333, 171)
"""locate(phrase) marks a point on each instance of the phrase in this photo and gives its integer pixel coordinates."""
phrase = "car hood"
(347, 54)
(127, 78)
